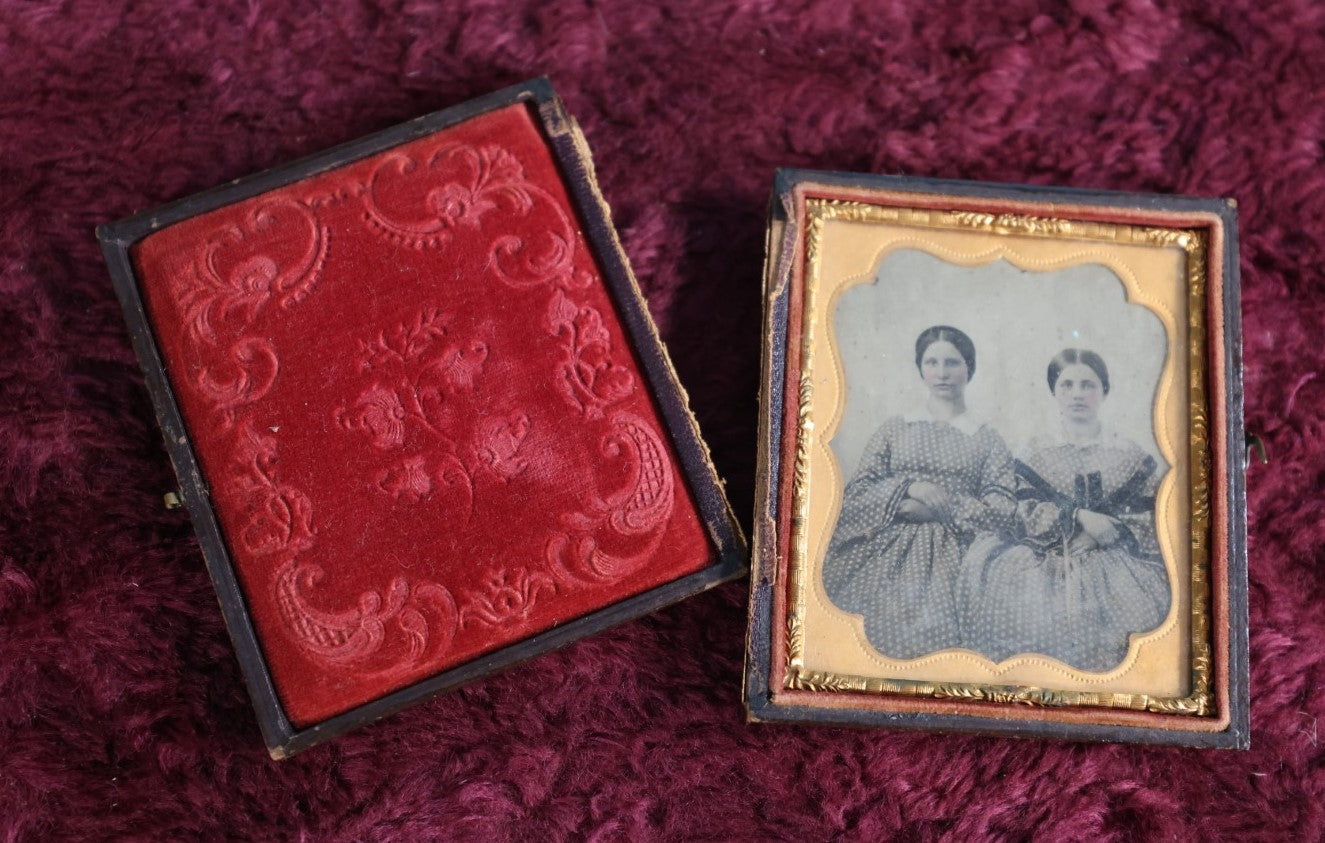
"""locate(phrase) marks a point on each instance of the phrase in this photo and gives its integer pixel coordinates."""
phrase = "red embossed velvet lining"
(423, 428)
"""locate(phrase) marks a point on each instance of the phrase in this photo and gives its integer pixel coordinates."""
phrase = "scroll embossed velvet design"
(422, 425)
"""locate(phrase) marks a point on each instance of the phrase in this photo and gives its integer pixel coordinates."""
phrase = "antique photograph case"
(420, 416)
(1000, 483)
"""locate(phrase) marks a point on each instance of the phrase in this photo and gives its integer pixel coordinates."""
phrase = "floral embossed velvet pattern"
(424, 431)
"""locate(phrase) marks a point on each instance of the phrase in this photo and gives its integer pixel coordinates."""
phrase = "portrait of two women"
(948, 538)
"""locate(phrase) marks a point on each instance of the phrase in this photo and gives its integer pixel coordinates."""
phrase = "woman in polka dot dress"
(1083, 571)
(928, 482)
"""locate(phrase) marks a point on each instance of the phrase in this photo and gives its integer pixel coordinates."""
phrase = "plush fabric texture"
(422, 425)
(122, 714)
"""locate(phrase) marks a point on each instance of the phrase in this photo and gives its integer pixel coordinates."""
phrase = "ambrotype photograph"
(998, 491)
(1000, 496)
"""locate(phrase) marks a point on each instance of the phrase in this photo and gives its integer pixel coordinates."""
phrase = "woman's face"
(1079, 393)
(944, 371)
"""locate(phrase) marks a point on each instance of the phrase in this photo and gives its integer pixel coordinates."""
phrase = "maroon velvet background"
(121, 709)
(422, 426)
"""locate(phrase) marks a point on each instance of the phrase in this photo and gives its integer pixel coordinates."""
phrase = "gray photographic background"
(1018, 321)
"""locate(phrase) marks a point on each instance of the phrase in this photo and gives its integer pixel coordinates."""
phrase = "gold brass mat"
(1164, 269)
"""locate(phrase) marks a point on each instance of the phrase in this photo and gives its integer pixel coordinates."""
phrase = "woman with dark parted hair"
(927, 483)
(1082, 571)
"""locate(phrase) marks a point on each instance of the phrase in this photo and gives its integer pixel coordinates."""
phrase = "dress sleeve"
(870, 500)
(992, 506)
(1133, 507)
(1044, 517)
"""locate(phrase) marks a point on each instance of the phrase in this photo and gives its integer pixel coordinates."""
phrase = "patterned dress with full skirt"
(1029, 592)
(902, 576)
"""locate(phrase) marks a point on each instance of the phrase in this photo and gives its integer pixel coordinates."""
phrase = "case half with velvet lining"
(419, 413)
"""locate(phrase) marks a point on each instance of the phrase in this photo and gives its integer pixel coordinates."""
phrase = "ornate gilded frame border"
(779, 687)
